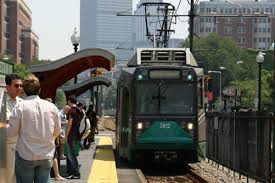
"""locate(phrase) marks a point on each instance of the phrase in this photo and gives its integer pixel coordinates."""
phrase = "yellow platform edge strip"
(104, 166)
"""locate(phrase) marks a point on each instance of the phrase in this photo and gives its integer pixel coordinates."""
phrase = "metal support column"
(191, 28)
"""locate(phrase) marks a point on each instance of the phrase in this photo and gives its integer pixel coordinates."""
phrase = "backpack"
(84, 126)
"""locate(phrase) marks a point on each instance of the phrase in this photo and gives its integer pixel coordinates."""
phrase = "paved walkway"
(97, 164)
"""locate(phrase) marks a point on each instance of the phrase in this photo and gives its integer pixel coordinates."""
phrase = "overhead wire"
(174, 16)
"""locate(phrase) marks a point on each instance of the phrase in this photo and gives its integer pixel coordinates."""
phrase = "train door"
(124, 122)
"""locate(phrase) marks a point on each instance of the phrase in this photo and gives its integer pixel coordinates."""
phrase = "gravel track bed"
(213, 174)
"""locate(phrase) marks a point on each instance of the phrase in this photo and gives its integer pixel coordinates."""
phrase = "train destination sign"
(164, 74)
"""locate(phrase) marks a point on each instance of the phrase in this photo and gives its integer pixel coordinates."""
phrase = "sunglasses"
(18, 85)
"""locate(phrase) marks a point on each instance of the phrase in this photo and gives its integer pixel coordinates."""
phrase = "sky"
(54, 22)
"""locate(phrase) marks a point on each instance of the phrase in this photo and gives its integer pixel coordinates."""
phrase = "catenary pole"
(191, 28)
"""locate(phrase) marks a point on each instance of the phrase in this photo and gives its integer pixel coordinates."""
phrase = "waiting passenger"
(36, 132)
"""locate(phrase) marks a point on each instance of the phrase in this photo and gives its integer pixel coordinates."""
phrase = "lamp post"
(75, 38)
(260, 60)
(220, 74)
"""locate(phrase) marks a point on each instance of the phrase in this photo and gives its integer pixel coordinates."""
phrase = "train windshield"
(164, 98)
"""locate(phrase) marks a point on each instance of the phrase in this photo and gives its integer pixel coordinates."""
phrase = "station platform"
(97, 164)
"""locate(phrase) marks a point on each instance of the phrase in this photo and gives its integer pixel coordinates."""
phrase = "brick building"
(17, 37)
(249, 22)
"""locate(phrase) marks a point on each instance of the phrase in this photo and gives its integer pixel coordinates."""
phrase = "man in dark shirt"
(71, 137)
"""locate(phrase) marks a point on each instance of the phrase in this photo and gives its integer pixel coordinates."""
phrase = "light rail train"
(160, 106)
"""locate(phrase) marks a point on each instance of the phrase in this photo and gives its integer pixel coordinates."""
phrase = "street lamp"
(75, 38)
(260, 60)
(220, 74)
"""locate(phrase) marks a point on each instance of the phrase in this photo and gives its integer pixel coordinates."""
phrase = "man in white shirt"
(37, 124)
(14, 87)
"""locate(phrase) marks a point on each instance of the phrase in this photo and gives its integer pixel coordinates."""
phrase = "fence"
(241, 141)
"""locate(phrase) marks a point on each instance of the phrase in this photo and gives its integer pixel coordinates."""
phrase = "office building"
(249, 22)
(17, 38)
(101, 27)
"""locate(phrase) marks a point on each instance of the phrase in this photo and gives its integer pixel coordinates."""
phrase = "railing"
(241, 141)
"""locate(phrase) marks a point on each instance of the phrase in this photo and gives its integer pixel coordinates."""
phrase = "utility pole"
(165, 37)
(191, 28)
(273, 126)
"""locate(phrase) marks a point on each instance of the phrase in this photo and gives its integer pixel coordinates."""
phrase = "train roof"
(162, 56)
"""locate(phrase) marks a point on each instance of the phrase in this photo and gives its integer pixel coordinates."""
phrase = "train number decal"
(164, 125)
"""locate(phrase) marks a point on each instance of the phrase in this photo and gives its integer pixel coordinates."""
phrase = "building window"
(228, 20)
(260, 39)
(208, 19)
(7, 19)
(268, 39)
(264, 39)
(202, 10)
(241, 20)
(221, 10)
(255, 29)
(241, 30)
(255, 40)
(241, 40)
(255, 20)
(268, 29)
(21, 38)
(264, 29)
(228, 30)
(7, 35)
(201, 29)
(214, 9)
(208, 29)
(201, 19)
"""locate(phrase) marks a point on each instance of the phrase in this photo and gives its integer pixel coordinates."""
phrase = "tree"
(214, 51)
(60, 99)
(21, 70)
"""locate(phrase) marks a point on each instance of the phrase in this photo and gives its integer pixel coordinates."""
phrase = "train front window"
(164, 98)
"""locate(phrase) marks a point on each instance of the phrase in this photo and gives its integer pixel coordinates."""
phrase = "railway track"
(160, 176)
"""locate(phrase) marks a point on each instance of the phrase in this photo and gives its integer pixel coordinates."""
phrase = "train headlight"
(189, 77)
(190, 126)
(140, 77)
(139, 125)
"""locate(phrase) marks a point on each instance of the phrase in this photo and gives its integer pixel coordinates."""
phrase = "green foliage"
(21, 70)
(249, 90)
(109, 99)
(60, 99)
(38, 62)
(215, 51)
